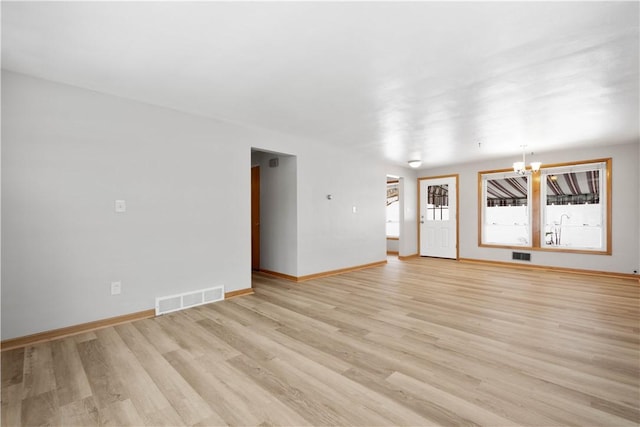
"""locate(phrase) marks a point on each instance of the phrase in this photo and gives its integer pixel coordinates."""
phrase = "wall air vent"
(521, 256)
(177, 302)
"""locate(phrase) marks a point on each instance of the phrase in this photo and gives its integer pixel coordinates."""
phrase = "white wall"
(625, 210)
(409, 206)
(68, 153)
(278, 214)
(330, 235)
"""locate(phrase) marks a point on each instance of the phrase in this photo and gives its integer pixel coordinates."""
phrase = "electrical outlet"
(116, 288)
(120, 206)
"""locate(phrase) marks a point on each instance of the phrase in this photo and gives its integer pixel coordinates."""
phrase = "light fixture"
(415, 163)
(521, 167)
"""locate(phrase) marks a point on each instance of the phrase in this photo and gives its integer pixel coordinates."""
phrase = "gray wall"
(625, 214)
(68, 153)
(330, 235)
(409, 206)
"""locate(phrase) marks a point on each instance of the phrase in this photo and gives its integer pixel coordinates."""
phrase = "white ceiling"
(426, 80)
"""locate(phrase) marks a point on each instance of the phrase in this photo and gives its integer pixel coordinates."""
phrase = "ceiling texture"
(444, 82)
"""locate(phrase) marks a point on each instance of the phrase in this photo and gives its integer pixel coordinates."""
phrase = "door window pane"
(438, 202)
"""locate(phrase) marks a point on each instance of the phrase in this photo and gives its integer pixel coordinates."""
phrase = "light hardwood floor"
(417, 342)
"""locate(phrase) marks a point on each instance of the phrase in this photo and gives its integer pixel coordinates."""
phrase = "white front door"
(439, 217)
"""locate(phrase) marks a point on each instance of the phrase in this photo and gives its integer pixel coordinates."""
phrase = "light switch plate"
(116, 288)
(121, 206)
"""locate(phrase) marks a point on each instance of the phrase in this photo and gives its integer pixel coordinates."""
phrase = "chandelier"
(521, 167)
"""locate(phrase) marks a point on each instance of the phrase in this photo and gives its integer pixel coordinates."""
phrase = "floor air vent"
(521, 256)
(188, 299)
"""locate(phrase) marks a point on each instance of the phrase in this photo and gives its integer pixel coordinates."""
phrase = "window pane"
(438, 202)
(573, 214)
(506, 210)
(393, 210)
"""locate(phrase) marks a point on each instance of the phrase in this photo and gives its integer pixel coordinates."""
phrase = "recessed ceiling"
(447, 82)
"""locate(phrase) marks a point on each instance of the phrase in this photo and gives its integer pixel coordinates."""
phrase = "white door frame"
(457, 217)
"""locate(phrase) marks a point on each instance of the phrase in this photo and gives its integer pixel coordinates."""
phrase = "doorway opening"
(393, 215)
(274, 223)
(255, 218)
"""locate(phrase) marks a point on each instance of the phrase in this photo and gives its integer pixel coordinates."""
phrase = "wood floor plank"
(38, 377)
(355, 395)
(150, 403)
(106, 387)
(240, 314)
(464, 408)
(41, 410)
(235, 339)
(86, 336)
(121, 413)
(229, 407)
(83, 412)
(152, 329)
(316, 412)
(568, 407)
(191, 407)
(283, 315)
(263, 404)
(346, 351)
(11, 410)
(12, 367)
(71, 379)
(433, 413)
(329, 361)
(418, 342)
(195, 340)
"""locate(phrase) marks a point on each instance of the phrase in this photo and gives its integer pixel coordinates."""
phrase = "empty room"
(320, 213)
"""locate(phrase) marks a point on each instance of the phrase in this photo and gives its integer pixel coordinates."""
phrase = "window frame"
(536, 219)
(394, 183)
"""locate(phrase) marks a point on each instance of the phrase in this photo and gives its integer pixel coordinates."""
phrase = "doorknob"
(421, 222)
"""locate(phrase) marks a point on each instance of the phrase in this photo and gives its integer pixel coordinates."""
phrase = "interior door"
(439, 217)
(255, 218)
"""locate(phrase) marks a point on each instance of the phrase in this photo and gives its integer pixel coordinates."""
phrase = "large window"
(564, 207)
(506, 209)
(573, 201)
